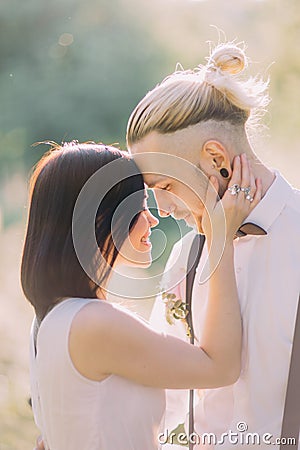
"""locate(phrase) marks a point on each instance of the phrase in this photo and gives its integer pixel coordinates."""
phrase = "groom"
(203, 118)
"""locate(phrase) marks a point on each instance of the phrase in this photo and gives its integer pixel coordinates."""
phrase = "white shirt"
(268, 278)
(76, 413)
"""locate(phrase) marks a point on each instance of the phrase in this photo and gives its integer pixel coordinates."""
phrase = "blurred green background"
(73, 69)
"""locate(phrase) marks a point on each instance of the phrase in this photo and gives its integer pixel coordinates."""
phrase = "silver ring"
(248, 197)
(234, 189)
(246, 190)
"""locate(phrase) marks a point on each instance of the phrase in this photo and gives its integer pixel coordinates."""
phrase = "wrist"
(219, 249)
(219, 243)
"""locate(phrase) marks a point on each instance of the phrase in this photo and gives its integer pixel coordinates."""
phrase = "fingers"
(258, 193)
(245, 171)
(248, 180)
(236, 174)
(243, 177)
(39, 443)
(241, 174)
(240, 198)
(252, 185)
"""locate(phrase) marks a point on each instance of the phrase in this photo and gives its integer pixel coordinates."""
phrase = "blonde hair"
(209, 92)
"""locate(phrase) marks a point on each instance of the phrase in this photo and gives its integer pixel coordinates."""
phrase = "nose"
(164, 206)
(153, 221)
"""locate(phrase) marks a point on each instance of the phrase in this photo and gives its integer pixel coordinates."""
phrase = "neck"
(261, 171)
(258, 168)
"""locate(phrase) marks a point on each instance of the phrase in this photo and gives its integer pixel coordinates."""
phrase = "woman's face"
(136, 250)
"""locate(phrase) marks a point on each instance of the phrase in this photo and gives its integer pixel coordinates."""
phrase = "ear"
(214, 156)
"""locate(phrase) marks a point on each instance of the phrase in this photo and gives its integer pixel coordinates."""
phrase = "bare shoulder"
(101, 319)
(98, 329)
(98, 315)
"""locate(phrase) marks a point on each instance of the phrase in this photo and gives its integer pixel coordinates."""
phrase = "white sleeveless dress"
(75, 413)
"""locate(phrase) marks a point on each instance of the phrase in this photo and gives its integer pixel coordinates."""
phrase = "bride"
(98, 372)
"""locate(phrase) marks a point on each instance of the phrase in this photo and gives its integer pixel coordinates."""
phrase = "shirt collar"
(271, 205)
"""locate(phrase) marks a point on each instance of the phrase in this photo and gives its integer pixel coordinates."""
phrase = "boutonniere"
(175, 309)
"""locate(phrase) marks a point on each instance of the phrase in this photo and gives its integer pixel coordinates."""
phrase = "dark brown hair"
(50, 268)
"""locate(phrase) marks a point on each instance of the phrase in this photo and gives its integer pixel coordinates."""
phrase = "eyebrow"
(152, 184)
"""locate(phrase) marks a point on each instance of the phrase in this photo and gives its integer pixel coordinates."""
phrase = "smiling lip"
(145, 240)
(147, 243)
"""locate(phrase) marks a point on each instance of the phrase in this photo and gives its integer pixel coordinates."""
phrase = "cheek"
(162, 197)
(140, 228)
(198, 203)
(191, 200)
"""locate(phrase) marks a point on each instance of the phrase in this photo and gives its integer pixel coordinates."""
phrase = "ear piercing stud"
(224, 172)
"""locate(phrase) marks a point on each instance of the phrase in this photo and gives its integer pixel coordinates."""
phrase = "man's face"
(169, 165)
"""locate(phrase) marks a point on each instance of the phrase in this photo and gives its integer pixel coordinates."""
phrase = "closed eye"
(163, 188)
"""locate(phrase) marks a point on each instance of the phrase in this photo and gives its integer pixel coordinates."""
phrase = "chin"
(191, 222)
(142, 263)
(145, 261)
(145, 265)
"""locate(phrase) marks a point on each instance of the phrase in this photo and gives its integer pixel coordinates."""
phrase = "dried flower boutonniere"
(175, 310)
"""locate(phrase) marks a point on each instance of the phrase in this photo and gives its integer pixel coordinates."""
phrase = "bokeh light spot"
(66, 39)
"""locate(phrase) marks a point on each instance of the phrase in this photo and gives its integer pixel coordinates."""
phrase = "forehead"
(157, 142)
(164, 157)
(160, 168)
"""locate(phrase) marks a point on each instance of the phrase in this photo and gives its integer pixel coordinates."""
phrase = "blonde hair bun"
(214, 91)
(227, 58)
